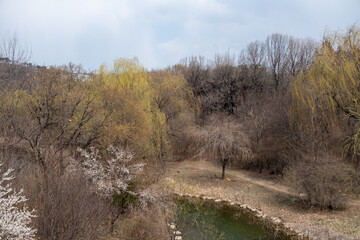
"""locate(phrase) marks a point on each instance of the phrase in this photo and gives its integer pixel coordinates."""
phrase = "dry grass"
(266, 193)
(141, 225)
(146, 220)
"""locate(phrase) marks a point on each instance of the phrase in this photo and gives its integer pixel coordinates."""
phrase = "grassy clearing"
(266, 193)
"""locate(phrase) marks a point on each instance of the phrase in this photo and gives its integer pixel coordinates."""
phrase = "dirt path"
(266, 193)
(268, 184)
(234, 175)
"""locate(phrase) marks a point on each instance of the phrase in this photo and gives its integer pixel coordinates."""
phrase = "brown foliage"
(266, 118)
(324, 181)
(316, 167)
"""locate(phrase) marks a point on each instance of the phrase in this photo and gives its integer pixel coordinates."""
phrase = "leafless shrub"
(66, 206)
(324, 180)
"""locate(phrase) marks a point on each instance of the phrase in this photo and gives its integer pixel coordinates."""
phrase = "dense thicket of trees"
(299, 102)
(283, 106)
(51, 112)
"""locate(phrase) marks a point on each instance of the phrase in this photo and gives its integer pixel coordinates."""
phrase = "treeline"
(225, 82)
(293, 109)
(89, 148)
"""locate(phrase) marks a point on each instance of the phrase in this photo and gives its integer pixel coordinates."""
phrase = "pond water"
(199, 220)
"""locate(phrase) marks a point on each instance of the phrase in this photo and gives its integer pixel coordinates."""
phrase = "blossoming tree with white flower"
(15, 222)
(113, 175)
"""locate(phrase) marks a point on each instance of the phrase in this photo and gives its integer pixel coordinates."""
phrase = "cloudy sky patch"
(161, 32)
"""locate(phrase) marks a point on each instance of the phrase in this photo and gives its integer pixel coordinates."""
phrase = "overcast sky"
(161, 32)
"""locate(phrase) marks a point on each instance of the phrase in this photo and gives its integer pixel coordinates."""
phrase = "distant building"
(4, 60)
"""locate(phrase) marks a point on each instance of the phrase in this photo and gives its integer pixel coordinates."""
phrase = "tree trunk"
(224, 162)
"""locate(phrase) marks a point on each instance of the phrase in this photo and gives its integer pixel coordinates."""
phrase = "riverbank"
(266, 193)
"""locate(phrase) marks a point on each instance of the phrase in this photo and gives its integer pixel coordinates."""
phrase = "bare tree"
(12, 51)
(227, 87)
(223, 140)
(294, 55)
(256, 119)
(253, 54)
(277, 57)
(57, 111)
(14, 58)
(308, 50)
(196, 74)
(301, 53)
(253, 57)
(66, 206)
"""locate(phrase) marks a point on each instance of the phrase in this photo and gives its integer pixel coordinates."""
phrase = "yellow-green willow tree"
(128, 96)
(330, 89)
(177, 106)
(332, 84)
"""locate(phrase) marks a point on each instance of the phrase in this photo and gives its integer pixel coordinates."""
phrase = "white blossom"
(148, 195)
(112, 175)
(14, 221)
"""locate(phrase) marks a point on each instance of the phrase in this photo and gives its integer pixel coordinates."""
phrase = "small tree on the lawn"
(223, 140)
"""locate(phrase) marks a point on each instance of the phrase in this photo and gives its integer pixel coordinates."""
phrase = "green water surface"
(199, 220)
